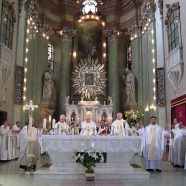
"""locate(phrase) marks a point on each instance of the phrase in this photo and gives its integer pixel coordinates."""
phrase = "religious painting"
(19, 82)
(160, 86)
(89, 79)
(89, 39)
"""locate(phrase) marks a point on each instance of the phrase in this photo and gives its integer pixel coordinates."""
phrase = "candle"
(53, 123)
(50, 118)
(44, 123)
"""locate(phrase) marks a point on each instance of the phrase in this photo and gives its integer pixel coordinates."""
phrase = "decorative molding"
(175, 67)
(68, 34)
(10, 5)
(145, 16)
(160, 86)
(160, 6)
(175, 7)
(112, 35)
(6, 69)
(32, 12)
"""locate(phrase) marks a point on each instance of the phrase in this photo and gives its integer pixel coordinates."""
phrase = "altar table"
(119, 150)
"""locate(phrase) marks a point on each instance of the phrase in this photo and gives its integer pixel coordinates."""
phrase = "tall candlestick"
(44, 123)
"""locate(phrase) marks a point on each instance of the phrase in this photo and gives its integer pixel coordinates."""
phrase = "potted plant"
(88, 159)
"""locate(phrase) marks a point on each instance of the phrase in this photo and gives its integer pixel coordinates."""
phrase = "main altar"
(77, 112)
(119, 151)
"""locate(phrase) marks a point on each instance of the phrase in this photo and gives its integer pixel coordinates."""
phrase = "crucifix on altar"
(30, 108)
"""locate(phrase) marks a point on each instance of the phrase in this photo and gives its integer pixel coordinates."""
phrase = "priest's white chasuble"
(88, 128)
(153, 146)
(120, 128)
(63, 128)
(177, 132)
(29, 146)
(6, 143)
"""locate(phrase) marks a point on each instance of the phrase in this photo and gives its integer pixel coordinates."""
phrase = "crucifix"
(30, 108)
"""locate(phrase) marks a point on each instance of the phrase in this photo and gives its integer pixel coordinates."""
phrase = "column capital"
(68, 34)
(112, 35)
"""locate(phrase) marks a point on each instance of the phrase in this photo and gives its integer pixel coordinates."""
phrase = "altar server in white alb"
(62, 126)
(177, 139)
(120, 126)
(88, 127)
(6, 141)
(29, 147)
(153, 146)
(15, 143)
(183, 147)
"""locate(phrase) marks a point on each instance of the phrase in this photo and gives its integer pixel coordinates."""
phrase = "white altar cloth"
(119, 152)
(57, 143)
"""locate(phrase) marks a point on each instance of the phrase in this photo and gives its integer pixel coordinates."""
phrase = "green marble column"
(37, 65)
(65, 71)
(113, 73)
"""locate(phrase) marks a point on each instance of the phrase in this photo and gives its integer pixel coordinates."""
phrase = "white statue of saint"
(110, 99)
(130, 87)
(67, 98)
(48, 84)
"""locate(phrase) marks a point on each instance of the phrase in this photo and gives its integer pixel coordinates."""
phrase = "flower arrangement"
(88, 159)
(133, 117)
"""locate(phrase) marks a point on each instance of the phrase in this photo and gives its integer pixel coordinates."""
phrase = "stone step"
(136, 174)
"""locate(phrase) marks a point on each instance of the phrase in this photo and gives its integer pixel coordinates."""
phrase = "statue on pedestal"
(110, 100)
(129, 81)
(67, 98)
(48, 85)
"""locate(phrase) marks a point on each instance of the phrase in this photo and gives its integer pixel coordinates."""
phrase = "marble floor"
(11, 175)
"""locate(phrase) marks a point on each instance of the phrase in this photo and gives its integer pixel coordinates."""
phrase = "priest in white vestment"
(6, 142)
(61, 126)
(15, 143)
(177, 133)
(153, 146)
(171, 140)
(183, 147)
(120, 126)
(29, 148)
(88, 127)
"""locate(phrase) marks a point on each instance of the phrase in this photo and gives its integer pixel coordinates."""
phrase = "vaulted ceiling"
(118, 14)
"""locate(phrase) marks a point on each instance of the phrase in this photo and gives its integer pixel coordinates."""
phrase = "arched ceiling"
(118, 14)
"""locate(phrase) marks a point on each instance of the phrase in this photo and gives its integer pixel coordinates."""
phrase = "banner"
(19, 84)
(160, 87)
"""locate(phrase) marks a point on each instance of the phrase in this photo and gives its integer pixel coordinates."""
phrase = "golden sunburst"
(89, 78)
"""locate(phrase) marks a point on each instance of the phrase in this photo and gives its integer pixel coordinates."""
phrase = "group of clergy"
(9, 141)
(119, 127)
(24, 142)
(177, 144)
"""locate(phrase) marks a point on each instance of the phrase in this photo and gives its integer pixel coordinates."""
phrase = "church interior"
(64, 60)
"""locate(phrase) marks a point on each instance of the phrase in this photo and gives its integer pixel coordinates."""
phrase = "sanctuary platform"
(119, 154)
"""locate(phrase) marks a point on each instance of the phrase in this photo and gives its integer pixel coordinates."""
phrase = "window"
(89, 6)
(172, 22)
(51, 56)
(7, 21)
